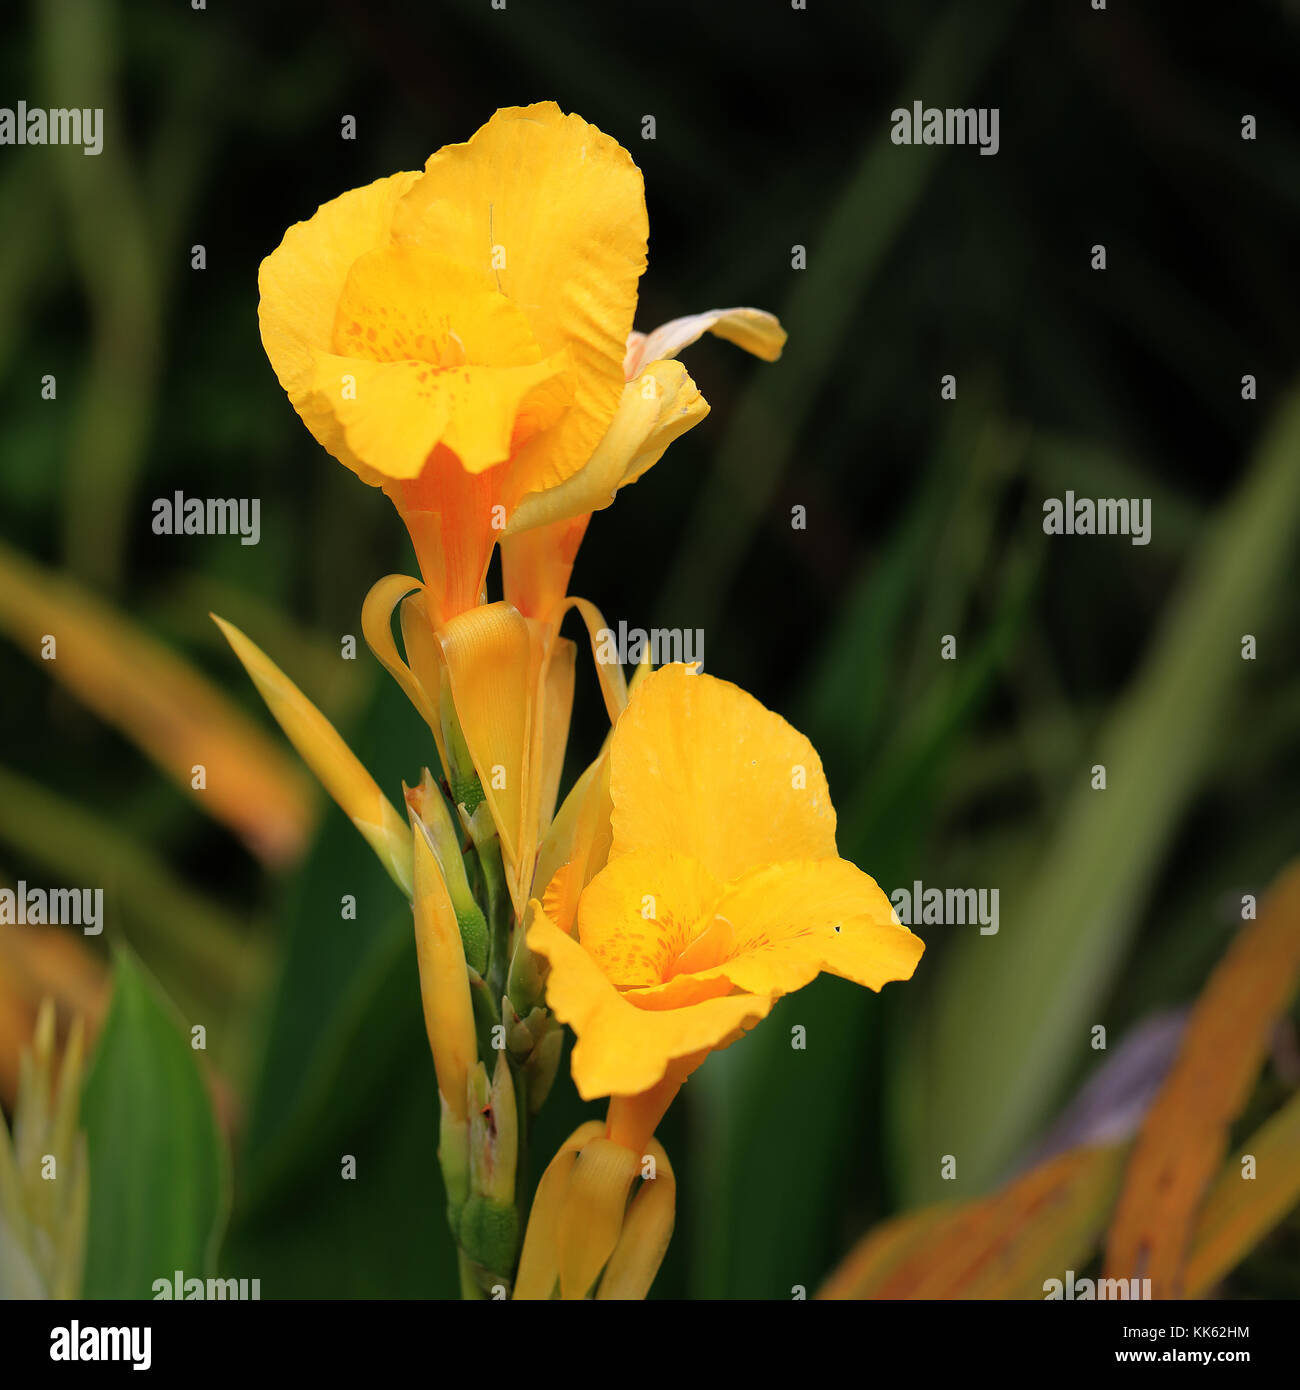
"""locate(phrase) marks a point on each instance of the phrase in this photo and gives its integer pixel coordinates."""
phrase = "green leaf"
(158, 1172)
(873, 209)
(1010, 1015)
(346, 1070)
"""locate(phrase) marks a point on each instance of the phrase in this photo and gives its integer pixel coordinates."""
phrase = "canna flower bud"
(427, 807)
(647, 1230)
(444, 981)
(489, 1223)
(582, 1223)
(542, 1065)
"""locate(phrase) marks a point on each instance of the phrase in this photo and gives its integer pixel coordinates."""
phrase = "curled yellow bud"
(647, 1229)
(444, 984)
(539, 1265)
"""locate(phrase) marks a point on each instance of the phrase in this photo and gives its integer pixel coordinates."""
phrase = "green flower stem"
(470, 1288)
(500, 913)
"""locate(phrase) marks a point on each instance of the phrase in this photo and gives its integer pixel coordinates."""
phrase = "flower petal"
(554, 210)
(449, 514)
(661, 404)
(536, 565)
(412, 303)
(377, 625)
(755, 330)
(681, 408)
(539, 1264)
(459, 361)
(794, 920)
(647, 1229)
(623, 1050)
(577, 845)
(641, 912)
(552, 736)
(700, 768)
(391, 415)
(301, 280)
(591, 1218)
(492, 667)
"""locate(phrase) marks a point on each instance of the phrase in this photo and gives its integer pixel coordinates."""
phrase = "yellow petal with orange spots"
(300, 283)
(621, 1049)
(392, 414)
(667, 934)
(411, 303)
(701, 768)
(459, 361)
(554, 211)
(642, 912)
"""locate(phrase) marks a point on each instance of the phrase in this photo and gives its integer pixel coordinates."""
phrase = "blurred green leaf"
(1011, 1012)
(158, 1171)
(203, 952)
(774, 1130)
(868, 215)
(346, 1070)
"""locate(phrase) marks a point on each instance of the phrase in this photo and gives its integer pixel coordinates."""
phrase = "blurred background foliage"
(222, 126)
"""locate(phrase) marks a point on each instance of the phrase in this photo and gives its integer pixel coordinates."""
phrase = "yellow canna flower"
(463, 338)
(723, 891)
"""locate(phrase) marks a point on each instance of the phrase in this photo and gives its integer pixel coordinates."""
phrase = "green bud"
(519, 1040)
(493, 1132)
(444, 839)
(466, 789)
(473, 934)
(489, 1234)
(485, 1016)
(541, 1068)
(468, 793)
(453, 1159)
(524, 984)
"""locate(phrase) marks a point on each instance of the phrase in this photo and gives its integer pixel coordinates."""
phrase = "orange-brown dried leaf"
(1185, 1134)
(1239, 1211)
(1002, 1246)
